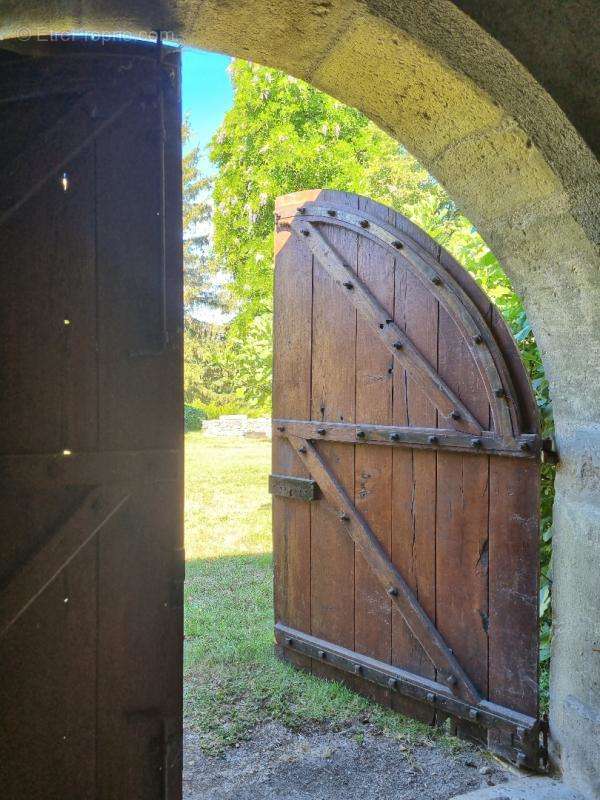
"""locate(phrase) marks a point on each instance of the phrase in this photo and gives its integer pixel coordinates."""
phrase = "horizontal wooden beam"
(398, 590)
(527, 445)
(124, 467)
(524, 730)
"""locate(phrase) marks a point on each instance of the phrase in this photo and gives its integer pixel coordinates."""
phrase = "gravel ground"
(355, 763)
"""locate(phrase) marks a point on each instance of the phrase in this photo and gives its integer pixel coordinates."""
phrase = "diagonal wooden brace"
(386, 573)
(395, 339)
(98, 506)
(32, 169)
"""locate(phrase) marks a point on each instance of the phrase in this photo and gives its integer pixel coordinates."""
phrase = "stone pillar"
(575, 671)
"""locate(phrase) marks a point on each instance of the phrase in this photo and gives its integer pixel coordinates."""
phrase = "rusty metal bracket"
(296, 488)
(549, 451)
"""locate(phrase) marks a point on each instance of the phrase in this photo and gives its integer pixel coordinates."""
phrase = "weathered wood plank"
(462, 521)
(513, 585)
(333, 353)
(373, 466)
(292, 335)
(414, 473)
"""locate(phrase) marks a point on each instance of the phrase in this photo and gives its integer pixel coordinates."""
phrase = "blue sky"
(206, 96)
(206, 92)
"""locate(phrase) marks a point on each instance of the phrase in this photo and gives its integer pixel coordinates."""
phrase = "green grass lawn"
(232, 679)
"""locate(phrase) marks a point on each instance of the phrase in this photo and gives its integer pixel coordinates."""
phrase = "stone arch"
(505, 151)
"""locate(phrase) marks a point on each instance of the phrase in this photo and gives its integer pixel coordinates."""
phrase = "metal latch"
(290, 486)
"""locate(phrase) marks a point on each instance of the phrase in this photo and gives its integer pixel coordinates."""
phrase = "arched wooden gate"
(405, 475)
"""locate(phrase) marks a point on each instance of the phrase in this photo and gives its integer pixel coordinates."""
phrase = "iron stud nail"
(344, 517)
(398, 345)
(392, 591)
(499, 392)
(397, 245)
(524, 446)
(392, 683)
(281, 428)
(476, 442)
(289, 642)
(302, 210)
(430, 697)
(455, 415)
(322, 654)
(321, 431)
(332, 212)
(433, 440)
(478, 339)
(473, 713)
(360, 434)
(348, 284)
(437, 280)
(305, 232)
(395, 437)
(302, 449)
(364, 223)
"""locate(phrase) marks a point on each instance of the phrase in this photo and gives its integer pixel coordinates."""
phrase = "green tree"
(208, 378)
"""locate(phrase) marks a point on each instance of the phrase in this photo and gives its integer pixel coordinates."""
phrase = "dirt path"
(352, 764)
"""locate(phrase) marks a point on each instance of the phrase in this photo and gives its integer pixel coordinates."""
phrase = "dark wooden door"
(91, 559)
(405, 475)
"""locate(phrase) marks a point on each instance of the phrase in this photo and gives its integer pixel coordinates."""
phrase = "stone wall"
(238, 425)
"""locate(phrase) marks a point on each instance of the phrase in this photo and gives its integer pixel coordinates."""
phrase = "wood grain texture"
(292, 337)
(333, 354)
(373, 473)
(462, 522)
(414, 475)
(513, 585)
